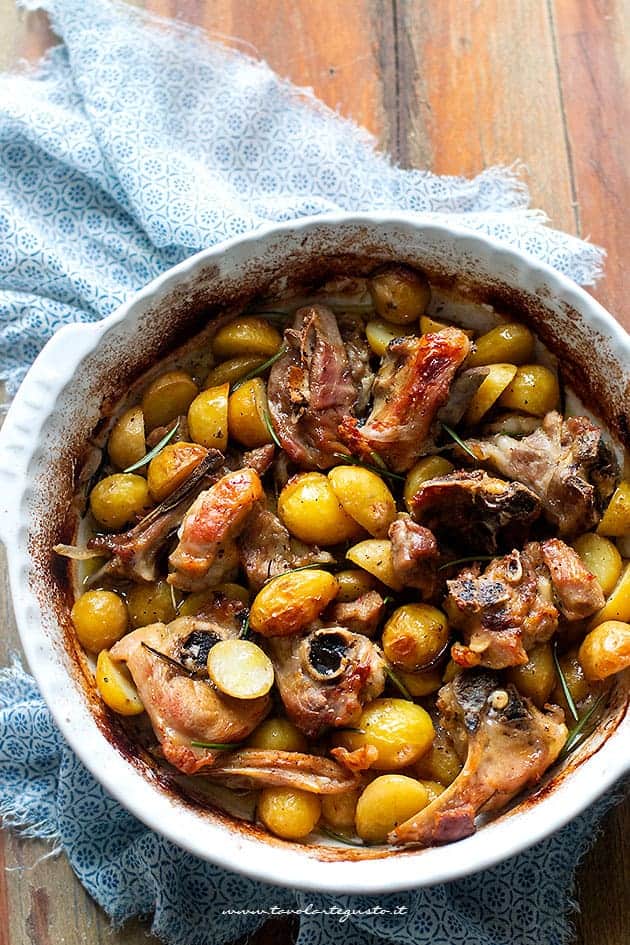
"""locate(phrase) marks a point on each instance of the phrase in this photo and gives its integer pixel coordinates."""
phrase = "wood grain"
(455, 86)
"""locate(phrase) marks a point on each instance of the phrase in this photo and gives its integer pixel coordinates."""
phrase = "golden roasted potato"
(534, 390)
(441, 762)
(312, 512)
(167, 397)
(247, 409)
(208, 417)
(365, 497)
(116, 687)
(617, 606)
(229, 372)
(338, 810)
(400, 294)
(233, 591)
(380, 333)
(510, 343)
(353, 583)
(577, 683)
(99, 618)
(240, 669)
(126, 444)
(278, 735)
(601, 558)
(246, 335)
(117, 500)
(401, 732)
(429, 326)
(537, 677)
(172, 466)
(386, 802)
(414, 636)
(292, 601)
(428, 468)
(616, 518)
(375, 556)
(150, 603)
(605, 650)
(289, 812)
(489, 391)
(422, 684)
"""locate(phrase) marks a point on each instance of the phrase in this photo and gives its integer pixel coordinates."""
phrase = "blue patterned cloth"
(135, 144)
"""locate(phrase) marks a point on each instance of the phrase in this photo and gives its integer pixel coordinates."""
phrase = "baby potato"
(208, 417)
(605, 650)
(167, 397)
(365, 497)
(246, 335)
(511, 343)
(433, 788)
(537, 677)
(233, 591)
(247, 408)
(126, 444)
(312, 512)
(617, 606)
(489, 391)
(441, 763)
(278, 735)
(388, 801)
(116, 686)
(379, 334)
(616, 518)
(451, 670)
(401, 732)
(239, 668)
(414, 635)
(291, 602)
(200, 601)
(150, 603)
(172, 466)
(117, 500)
(289, 812)
(428, 468)
(430, 326)
(534, 390)
(229, 372)
(375, 556)
(400, 294)
(338, 810)
(99, 618)
(352, 584)
(422, 684)
(601, 558)
(576, 681)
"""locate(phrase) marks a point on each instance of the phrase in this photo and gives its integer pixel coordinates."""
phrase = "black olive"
(326, 652)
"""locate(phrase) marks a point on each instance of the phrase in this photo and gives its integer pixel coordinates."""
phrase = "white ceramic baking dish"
(86, 368)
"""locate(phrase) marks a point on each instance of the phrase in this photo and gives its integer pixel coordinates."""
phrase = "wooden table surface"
(454, 86)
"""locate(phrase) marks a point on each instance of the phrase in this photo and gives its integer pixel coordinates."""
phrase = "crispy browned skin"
(254, 768)
(311, 389)
(475, 512)
(566, 463)
(210, 526)
(326, 677)
(362, 615)
(510, 746)
(578, 592)
(411, 386)
(183, 709)
(415, 555)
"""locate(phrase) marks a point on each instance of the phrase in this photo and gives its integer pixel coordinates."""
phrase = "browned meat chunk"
(326, 677)
(135, 553)
(183, 708)
(253, 768)
(415, 555)
(566, 463)
(475, 512)
(510, 746)
(362, 615)
(352, 330)
(412, 384)
(311, 389)
(209, 527)
(578, 593)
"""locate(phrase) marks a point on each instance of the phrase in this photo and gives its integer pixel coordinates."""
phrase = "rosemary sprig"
(261, 367)
(398, 683)
(244, 634)
(270, 429)
(217, 746)
(169, 659)
(459, 441)
(578, 729)
(156, 449)
(381, 470)
(342, 838)
(449, 564)
(563, 683)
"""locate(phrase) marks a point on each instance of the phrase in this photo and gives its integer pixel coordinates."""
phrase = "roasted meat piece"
(311, 389)
(412, 384)
(515, 603)
(183, 708)
(326, 677)
(352, 330)
(475, 512)
(510, 745)
(415, 555)
(566, 463)
(209, 528)
(253, 768)
(362, 615)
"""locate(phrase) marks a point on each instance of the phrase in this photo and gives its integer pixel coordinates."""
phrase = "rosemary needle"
(459, 441)
(261, 367)
(578, 729)
(564, 685)
(156, 449)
